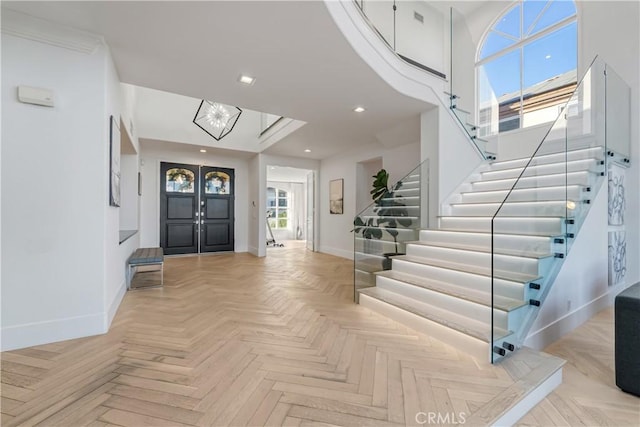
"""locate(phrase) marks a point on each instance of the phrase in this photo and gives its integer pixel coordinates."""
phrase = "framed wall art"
(336, 196)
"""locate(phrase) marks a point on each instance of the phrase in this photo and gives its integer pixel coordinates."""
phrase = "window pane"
(272, 223)
(217, 182)
(271, 213)
(282, 193)
(179, 180)
(557, 11)
(532, 9)
(549, 75)
(282, 213)
(494, 43)
(271, 192)
(499, 93)
(510, 23)
(282, 203)
(282, 223)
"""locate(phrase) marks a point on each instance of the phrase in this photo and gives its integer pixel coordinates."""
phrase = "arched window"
(527, 65)
(277, 208)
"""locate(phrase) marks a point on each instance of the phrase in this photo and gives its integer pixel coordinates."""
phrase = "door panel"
(217, 215)
(179, 189)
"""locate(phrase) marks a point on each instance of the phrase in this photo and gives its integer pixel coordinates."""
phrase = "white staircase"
(443, 285)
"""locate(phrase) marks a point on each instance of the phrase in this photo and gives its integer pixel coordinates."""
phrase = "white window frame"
(518, 45)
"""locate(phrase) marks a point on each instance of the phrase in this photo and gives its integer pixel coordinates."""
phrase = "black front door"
(179, 190)
(196, 209)
(216, 213)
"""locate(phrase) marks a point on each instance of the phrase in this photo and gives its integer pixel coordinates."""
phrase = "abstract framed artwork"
(617, 197)
(114, 162)
(336, 196)
(617, 257)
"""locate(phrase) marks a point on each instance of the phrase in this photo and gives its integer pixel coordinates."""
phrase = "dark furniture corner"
(627, 326)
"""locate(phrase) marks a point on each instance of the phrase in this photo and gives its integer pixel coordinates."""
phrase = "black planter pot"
(386, 262)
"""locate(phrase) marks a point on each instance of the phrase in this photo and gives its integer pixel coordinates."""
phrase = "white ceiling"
(305, 69)
(286, 174)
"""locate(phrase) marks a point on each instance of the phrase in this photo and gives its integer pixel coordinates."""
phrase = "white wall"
(54, 185)
(335, 230)
(153, 153)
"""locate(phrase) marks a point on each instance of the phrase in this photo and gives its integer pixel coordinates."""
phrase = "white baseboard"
(552, 332)
(113, 307)
(336, 252)
(30, 334)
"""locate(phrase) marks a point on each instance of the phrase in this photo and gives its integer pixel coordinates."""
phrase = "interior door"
(179, 190)
(216, 209)
(310, 209)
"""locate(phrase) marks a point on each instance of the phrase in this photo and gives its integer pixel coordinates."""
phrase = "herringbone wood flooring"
(237, 340)
(588, 394)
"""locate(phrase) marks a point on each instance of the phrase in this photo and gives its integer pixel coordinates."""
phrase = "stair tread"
(484, 249)
(473, 328)
(473, 269)
(531, 177)
(547, 155)
(506, 190)
(472, 295)
(542, 165)
(545, 202)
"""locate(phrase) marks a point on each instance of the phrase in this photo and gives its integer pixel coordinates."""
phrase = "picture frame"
(336, 196)
(114, 162)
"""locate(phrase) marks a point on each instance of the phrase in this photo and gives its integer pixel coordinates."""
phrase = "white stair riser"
(404, 234)
(400, 222)
(459, 278)
(480, 259)
(374, 246)
(407, 192)
(410, 184)
(478, 312)
(528, 244)
(408, 202)
(460, 341)
(525, 195)
(554, 208)
(592, 153)
(584, 178)
(531, 226)
(364, 279)
(555, 168)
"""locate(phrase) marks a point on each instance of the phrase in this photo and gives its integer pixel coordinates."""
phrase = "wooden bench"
(145, 257)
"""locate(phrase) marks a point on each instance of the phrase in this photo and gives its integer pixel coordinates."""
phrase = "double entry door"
(196, 208)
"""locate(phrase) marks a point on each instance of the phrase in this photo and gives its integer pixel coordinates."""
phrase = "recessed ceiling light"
(307, 151)
(547, 57)
(247, 80)
(203, 151)
(358, 109)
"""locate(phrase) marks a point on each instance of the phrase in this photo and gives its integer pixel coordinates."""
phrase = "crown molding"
(29, 27)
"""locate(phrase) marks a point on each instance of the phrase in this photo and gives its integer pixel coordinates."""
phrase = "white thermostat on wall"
(35, 95)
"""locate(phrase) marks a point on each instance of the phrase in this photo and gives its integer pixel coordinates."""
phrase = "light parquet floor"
(237, 340)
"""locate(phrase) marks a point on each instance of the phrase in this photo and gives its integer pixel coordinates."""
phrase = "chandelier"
(216, 119)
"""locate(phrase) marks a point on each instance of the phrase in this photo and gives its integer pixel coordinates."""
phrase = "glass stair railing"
(382, 229)
(557, 184)
(477, 282)
(465, 119)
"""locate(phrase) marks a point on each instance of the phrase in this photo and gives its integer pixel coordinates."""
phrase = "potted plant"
(389, 213)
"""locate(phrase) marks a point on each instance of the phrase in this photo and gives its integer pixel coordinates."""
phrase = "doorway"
(290, 208)
(196, 208)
